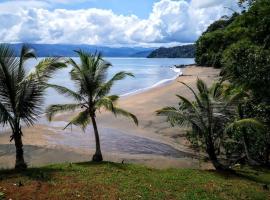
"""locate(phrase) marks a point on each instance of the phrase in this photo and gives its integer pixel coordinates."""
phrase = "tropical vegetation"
(92, 94)
(185, 51)
(212, 111)
(230, 121)
(22, 93)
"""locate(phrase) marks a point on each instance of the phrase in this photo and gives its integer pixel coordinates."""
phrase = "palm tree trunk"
(20, 163)
(97, 157)
(210, 149)
(212, 155)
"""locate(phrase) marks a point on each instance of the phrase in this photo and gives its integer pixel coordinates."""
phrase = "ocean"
(148, 72)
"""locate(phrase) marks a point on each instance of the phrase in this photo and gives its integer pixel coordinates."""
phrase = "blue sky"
(109, 22)
(141, 8)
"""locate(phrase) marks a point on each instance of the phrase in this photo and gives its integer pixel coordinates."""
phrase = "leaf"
(58, 108)
(67, 92)
(82, 120)
(246, 123)
(120, 111)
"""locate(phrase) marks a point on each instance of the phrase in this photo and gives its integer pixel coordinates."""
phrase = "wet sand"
(153, 142)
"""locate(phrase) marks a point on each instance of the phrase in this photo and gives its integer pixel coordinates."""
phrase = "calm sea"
(149, 72)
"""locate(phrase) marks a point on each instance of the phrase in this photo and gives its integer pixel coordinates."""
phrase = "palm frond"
(201, 86)
(106, 102)
(82, 120)
(46, 67)
(67, 92)
(25, 54)
(105, 88)
(101, 70)
(4, 114)
(194, 93)
(216, 91)
(119, 111)
(186, 102)
(29, 100)
(8, 65)
(58, 108)
(174, 116)
(249, 123)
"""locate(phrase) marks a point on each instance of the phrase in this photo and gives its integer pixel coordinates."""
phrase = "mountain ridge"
(68, 50)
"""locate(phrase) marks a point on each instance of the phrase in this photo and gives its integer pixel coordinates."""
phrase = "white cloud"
(169, 22)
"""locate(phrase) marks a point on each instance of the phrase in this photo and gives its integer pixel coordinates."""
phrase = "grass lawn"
(128, 181)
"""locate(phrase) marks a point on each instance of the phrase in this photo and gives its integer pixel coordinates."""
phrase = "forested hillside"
(250, 29)
(240, 45)
(186, 51)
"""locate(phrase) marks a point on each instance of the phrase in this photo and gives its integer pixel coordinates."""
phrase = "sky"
(148, 23)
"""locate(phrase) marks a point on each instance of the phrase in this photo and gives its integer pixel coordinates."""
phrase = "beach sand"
(41, 148)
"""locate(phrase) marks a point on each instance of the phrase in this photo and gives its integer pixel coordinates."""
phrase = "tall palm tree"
(90, 77)
(21, 93)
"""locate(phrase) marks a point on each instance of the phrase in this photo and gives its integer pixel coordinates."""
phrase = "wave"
(160, 83)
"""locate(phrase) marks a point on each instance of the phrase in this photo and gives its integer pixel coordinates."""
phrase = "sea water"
(148, 72)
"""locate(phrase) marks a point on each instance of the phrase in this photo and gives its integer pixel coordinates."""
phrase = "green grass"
(127, 181)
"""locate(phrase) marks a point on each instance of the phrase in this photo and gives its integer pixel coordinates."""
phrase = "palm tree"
(206, 115)
(90, 76)
(209, 115)
(21, 94)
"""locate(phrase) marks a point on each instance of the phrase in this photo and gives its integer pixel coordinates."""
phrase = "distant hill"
(143, 54)
(186, 51)
(45, 50)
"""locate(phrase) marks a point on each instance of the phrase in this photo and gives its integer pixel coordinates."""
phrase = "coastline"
(152, 127)
(162, 82)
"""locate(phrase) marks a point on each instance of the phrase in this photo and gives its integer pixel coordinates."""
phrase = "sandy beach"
(121, 139)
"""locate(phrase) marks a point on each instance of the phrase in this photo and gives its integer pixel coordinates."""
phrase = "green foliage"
(2, 195)
(241, 46)
(248, 65)
(253, 25)
(207, 115)
(219, 125)
(185, 51)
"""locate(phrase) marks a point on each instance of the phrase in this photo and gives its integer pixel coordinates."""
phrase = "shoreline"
(160, 83)
(151, 127)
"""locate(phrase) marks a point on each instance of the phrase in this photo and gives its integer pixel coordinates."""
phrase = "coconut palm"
(21, 93)
(206, 115)
(92, 94)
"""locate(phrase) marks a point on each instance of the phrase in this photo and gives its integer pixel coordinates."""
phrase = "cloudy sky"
(109, 22)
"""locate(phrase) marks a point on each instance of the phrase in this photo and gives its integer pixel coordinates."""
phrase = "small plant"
(2, 195)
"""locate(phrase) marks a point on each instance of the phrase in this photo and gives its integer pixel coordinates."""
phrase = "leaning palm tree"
(206, 115)
(90, 77)
(21, 93)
